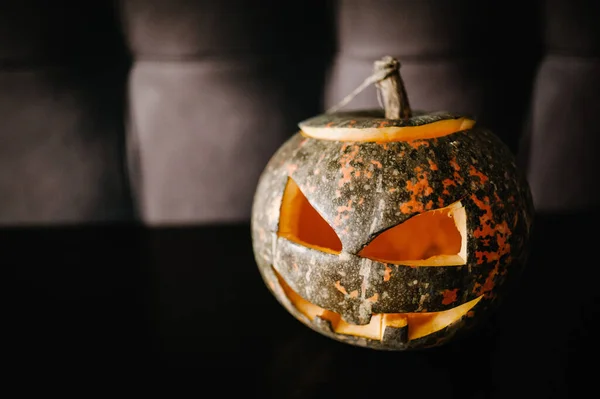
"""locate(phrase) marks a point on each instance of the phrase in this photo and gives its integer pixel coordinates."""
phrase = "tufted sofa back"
(166, 111)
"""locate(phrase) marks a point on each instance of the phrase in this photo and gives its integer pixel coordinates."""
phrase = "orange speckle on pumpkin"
(432, 165)
(357, 173)
(354, 294)
(387, 274)
(345, 163)
(440, 202)
(486, 256)
(498, 200)
(383, 124)
(419, 189)
(374, 298)
(340, 288)
(474, 172)
(345, 208)
(392, 190)
(454, 164)
(360, 201)
(342, 213)
(489, 283)
(457, 177)
(501, 238)
(417, 143)
(449, 296)
(485, 228)
(346, 175)
(490, 229)
(447, 183)
(376, 163)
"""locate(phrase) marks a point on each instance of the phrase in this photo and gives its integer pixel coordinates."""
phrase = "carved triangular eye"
(432, 238)
(301, 223)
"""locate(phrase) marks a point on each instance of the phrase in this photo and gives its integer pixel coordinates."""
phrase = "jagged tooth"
(394, 335)
(394, 329)
(323, 323)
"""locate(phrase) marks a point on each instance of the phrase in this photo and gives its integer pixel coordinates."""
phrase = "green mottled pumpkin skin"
(364, 188)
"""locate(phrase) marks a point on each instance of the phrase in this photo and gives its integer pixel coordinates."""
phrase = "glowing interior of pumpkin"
(301, 223)
(390, 133)
(432, 238)
(419, 324)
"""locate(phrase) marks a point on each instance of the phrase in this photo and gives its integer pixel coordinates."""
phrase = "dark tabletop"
(100, 305)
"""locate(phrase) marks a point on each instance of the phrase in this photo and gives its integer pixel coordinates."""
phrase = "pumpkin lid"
(396, 122)
(372, 125)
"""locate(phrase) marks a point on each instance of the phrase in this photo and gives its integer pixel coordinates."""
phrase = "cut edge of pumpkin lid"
(371, 126)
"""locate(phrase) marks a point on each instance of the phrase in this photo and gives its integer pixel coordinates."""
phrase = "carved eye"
(301, 223)
(432, 238)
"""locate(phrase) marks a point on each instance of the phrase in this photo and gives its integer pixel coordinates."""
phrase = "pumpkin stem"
(391, 88)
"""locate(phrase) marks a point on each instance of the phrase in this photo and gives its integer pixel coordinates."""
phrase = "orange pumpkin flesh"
(435, 238)
(388, 134)
(298, 218)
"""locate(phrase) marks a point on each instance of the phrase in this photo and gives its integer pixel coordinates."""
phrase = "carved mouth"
(384, 327)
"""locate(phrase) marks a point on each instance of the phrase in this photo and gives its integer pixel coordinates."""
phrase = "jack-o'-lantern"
(391, 231)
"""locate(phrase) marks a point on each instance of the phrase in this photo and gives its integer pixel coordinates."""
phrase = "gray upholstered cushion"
(61, 114)
(214, 89)
(186, 121)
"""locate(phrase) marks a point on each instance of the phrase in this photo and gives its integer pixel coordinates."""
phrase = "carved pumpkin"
(394, 231)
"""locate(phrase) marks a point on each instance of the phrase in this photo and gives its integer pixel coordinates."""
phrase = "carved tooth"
(323, 323)
(394, 329)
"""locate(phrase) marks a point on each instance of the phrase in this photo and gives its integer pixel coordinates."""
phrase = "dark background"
(132, 134)
(185, 308)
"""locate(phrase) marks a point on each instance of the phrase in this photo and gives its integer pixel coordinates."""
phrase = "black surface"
(87, 308)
